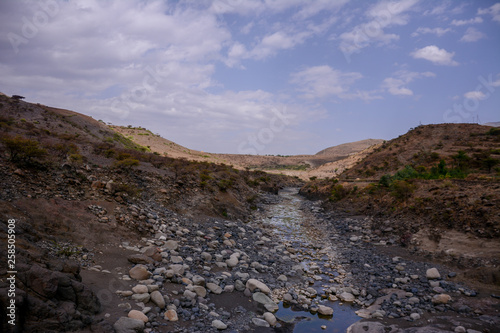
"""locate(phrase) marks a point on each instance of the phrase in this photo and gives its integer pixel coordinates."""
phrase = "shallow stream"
(290, 224)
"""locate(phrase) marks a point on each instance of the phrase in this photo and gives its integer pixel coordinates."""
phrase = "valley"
(120, 230)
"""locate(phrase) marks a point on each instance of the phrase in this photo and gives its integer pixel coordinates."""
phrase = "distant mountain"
(494, 124)
(349, 148)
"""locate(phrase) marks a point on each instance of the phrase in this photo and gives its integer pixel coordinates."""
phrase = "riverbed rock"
(135, 314)
(325, 310)
(432, 273)
(347, 297)
(158, 299)
(219, 324)
(260, 322)
(128, 325)
(139, 272)
(270, 318)
(253, 284)
(441, 299)
(171, 315)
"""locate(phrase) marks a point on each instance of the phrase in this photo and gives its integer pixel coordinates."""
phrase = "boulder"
(253, 284)
(128, 325)
(135, 314)
(139, 272)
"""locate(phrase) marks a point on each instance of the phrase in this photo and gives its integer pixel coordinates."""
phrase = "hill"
(74, 189)
(302, 166)
(437, 186)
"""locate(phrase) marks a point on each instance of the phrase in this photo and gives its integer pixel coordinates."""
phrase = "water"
(290, 225)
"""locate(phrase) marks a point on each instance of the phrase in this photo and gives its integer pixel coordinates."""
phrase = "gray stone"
(270, 318)
(260, 322)
(347, 297)
(128, 325)
(139, 259)
(214, 288)
(415, 316)
(189, 294)
(144, 298)
(238, 285)
(198, 280)
(287, 297)
(325, 310)
(232, 261)
(140, 289)
(206, 256)
(460, 329)
(253, 284)
(171, 245)
(158, 299)
(219, 324)
(200, 291)
(178, 269)
(432, 273)
(441, 299)
(368, 326)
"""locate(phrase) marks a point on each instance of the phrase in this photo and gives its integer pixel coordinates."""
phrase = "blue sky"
(255, 76)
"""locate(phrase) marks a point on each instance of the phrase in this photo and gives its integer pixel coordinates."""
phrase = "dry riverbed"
(294, 268)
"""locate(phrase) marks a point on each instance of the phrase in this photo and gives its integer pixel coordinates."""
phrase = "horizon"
(260, 77)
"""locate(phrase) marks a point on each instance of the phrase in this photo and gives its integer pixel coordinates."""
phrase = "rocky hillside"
(432, 182)
(75, 188)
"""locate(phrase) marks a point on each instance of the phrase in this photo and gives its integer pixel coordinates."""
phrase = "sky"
(257, 76)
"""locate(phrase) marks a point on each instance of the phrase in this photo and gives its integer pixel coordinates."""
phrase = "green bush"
(23, 150)
(402, 189)
(338, 193)
(126, 163)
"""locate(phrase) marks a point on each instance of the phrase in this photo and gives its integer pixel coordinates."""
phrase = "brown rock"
(139, 272)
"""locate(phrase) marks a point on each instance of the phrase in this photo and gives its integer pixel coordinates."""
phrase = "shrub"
(402, 189)
(338, 193)
(22, 149)
(126, 163)
(224, 184)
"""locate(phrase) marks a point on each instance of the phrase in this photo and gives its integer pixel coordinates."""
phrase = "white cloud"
(436, 31)
(472, 35)
(474, 20)
(383, 15)
(324, 81)
(476, 95)
(396, 85)
(435, 55)
(493, 11)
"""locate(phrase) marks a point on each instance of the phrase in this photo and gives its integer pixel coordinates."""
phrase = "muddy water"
(291, 226)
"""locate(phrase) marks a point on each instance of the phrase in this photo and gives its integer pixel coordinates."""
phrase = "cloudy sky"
(257, 76)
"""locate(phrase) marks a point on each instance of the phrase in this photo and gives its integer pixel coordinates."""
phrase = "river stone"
(171, 315)
(128, 325)
(144, 298)
(171, 245)
(432, 273)
(178, 269)
(368, 326)
(140, 289)
(325, 310)
(139, 272)
(238, 285)
(189, 294)
(415, 316)
(263, 299)
(441, 299)
(214, 288)
(282, 278)
(219, 324)
(260, 322)
(206, 256)
(198, 280)
(232, 261)
(158, 299)
(287, 297)
(253, 284)
(135, 314)
(139, 259)
(270, 318)
(200, 291)
(347, 297)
